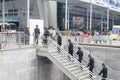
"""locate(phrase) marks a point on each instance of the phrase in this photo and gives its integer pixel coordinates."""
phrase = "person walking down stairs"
(70, 49)
(104, 72)
(59, 41)
(91, 63)
(80, 54)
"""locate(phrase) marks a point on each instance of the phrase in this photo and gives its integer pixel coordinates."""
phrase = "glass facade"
(6, 0)
(78, 18)
(75, 18)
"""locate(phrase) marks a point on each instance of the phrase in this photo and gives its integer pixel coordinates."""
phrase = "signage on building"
(103, 3)
(113, 2)
(13, 19)
(85, 0)
(104, 20)
(114, 5)
(115, 32)
(118, 3)
(13, 5)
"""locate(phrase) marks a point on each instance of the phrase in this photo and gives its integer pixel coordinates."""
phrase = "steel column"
(28, 13)
(3, 13)
(90, 16)
(66, 15)
(107, 20)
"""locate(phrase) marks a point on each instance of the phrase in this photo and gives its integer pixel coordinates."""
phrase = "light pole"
(66, 15)
(91, 16)
(107, 20)
(101, 23)
(3, 14)
(28, 13)
(87, 18)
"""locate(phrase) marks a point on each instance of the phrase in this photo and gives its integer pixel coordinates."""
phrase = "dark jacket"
(59, 40)
(91, 63)
(103, 72)
(37, 31)
(46, 33)
(80, 54)
(70, 48)
(27, 32)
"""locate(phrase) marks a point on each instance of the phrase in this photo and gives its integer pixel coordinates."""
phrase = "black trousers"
(36, 40)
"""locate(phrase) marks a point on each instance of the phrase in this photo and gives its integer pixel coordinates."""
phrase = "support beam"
(87, 17)
(28, 13)
(68, 18)
(3, 13)
(107, 20)
(66, 15)
(101, 23)
(90, 16)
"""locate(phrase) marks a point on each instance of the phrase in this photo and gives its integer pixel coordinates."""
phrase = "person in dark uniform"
(91, 63)
(37, 33)
(104, 72)
(59, 41)
(80, 54)
(27, 36)
(70, 47)
(46, 35)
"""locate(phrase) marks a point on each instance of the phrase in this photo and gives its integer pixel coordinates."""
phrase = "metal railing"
(96, 39)
(112, 74)
(65, 53)
(13, 40)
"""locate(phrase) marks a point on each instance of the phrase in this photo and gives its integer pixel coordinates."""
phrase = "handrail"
(69, 55)
(98, 62)
(8, 39)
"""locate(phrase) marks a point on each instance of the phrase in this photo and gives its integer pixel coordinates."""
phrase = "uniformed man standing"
(36, 34)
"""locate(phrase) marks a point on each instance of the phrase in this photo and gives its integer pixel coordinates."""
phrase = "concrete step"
(53, 51)
(69, 63)
(83, 73)
(60, 56)
(70, 66)
(65, 62)
(55, 54)
(84, 77)
(79, 71)
(73, 69)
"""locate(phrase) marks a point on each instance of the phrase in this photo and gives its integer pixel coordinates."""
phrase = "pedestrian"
(27, 36)
(36, 34)
(70, 48)
(104, 72)
(59, 41)
(91, 63)
(46, 35)
(80, 54)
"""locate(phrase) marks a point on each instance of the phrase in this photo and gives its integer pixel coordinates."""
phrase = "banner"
(85, 1)
(102, 3)
(113, 2)
(115, 32)
(77, 21)
(118, 3)
(114, 5)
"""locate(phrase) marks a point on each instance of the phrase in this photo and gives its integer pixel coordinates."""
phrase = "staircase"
(112, 75)
(67, 64)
